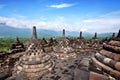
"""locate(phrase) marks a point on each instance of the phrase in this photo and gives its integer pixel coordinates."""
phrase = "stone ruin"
(8, 59)
(113, 36)
(17, 46)
(48, 45)
(79, 44)
(63, 50)
(35, 62)
(33, 39)
(44, 42)
(52, 42)
(82, 38)
(63, 62)
(34, 36)
(95, 41)
(118, 36)
(107, 60)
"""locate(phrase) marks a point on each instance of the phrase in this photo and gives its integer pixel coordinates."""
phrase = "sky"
(72, 15)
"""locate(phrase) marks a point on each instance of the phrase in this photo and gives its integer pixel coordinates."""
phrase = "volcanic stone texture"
(34, 63)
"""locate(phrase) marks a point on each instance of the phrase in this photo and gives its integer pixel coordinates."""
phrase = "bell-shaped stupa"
(35, 62)
(63, 50)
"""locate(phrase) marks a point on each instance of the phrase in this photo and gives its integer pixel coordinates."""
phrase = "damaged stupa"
(95, 41)
(108, 59)
(63, 50)
(113, 37)
(52, 42)
(48, 46)
(17, 46)
(44, 42)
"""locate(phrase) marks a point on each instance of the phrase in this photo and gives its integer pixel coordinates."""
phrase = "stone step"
(81, 75)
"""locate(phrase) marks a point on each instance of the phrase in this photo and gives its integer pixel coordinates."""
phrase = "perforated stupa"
(63, 50)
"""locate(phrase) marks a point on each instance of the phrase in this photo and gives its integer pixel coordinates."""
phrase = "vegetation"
(5, 43)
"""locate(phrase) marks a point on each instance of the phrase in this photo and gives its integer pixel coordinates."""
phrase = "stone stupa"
(113, 36)
(95, 41)
(63, 50)
(17, 46)
(35, 62)
(118, 36)
(79, 43)
(33, 38)
(52, 42)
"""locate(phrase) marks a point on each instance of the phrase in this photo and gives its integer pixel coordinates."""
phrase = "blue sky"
(73, 15)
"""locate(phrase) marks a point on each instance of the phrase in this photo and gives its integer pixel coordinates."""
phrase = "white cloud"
(63, 5)
(104, 21)
(109, 22)
(83, 29)
(114, 14)
(58, 24)
(12, 22)
(100, 24)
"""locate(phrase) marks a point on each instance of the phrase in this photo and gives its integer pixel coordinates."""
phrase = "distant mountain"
(105, 35)
(7, 31)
